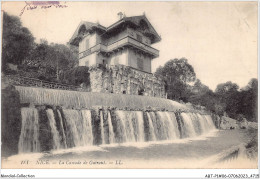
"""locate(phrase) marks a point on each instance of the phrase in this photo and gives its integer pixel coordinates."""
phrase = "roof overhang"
(133, 22)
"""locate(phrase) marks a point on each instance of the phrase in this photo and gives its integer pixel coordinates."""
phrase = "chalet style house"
(124, 44)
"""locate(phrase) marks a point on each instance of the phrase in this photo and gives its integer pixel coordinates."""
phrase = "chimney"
(120, 15)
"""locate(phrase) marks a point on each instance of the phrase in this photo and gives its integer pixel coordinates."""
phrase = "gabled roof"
(133, 20)
(89, 26)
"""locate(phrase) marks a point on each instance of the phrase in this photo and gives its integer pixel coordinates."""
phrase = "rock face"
(228, 123)
(125, 80)
(11, 121)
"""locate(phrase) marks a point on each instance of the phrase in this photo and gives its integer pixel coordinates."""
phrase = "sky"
(219, 39)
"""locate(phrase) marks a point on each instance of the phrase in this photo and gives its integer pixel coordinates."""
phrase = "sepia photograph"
(129, 85)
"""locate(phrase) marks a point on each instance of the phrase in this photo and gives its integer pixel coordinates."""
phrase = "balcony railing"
(120, 43)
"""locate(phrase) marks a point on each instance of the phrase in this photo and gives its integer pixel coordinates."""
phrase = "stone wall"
(125, 80)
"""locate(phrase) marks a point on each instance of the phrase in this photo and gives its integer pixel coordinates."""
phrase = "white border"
(132, 173)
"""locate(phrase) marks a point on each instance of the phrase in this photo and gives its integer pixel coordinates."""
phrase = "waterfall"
(29, 137)
(54, 132)
(203, 124)
(163, 126)
(121, 127)
(110, 128)
(71, 117)
(210, 122)
(188, 125)
(140, 122)
(173, 125)
(154, 122)
(102, 127)
(167, 128)
(79, 126)
(87, 127)
(62, 129)
(129, 127)
(151, 128)
(196, 123)
(74, 128)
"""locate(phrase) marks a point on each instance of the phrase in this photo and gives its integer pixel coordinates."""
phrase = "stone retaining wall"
(125, 80)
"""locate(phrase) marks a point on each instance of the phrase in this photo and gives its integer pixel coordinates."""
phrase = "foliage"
(177, 73)
(43, 61)
(226, 99)
(177, 70)
(17, 41)
(228, 94)
(49, 61)
(76, 76)
(248, 100)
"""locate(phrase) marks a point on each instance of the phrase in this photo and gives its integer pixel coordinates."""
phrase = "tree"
(17, 41)
(199, 89)
(49, 61)
(76, 76)
(248, 97)
(177, 70)
(225, 88)
(177, 73)
(229, 95)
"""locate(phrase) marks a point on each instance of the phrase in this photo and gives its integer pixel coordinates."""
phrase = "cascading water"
(76, 128)
(196, 123)
(79, 127)
(54, 132)
(209, 122)
(68, 127)
(140, 122)
(110, 128)
(173, 125)
(129, 127)
(203, 123)
(121, 126)
(62, 129)
(72, 117)
(167, 126)
(87, 127)
(29, 137)
(151, 135)
(188, 125)
(126, 128)
(102, 127)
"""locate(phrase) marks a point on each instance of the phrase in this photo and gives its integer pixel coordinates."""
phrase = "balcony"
(96, 48)
(127, 41)
(132, 42)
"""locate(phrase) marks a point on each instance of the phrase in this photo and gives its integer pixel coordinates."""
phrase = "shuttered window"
(140, 64)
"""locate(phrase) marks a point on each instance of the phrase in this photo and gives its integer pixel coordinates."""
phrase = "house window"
(140, 64)
(139, 37)
(87, 44)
